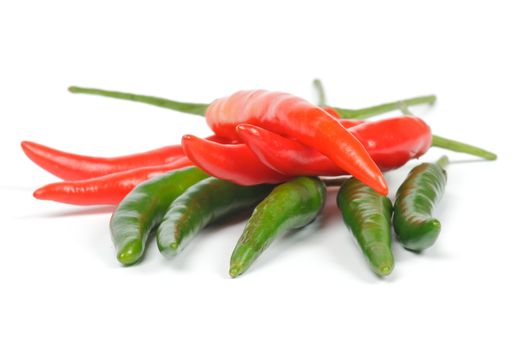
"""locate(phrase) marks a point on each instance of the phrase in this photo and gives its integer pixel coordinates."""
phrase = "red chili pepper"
(70, 166)
(235, 163)
(294, 117)
(107, 189)
(390, 142)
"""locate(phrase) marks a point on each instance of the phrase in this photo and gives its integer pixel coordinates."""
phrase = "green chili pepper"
(202, 204)
(290, 205)
(368, 215)
(414, 225)
(144, 207)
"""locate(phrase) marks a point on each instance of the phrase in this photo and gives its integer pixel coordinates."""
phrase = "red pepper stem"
(368, 112)
(456, 146)
(443, 162)
(186, 107)
(318, 86)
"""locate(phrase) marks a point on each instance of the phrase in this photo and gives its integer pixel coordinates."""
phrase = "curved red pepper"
(390, 142)
(70, 166)
(235, 163)
(294, 117)
(107, 189)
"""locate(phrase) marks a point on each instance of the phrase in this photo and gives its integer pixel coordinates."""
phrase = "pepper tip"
(130, 253)
(234, 272)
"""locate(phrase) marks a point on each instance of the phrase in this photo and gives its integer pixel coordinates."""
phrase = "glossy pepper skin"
(235, 163)
(390, 142)
(203, 203)
(107, 189)
(368, 215)
(70, 166)
(294, 117)
(415, 227)
(143, 209)
(290, 205)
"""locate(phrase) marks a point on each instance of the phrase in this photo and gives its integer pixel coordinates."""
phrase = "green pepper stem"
(442, 162)
(186, 107)
(318, 86)
(441, 142)
(368, 112)
(456, 146)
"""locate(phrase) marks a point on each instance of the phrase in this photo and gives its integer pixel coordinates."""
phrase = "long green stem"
(368, 112)
(442, 162)
(456, 146)
(442, 142)
(186, 107)
(318, 86)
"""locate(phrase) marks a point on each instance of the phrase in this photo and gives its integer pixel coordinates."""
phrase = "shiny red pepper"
(70, 166)
(107, 189)
(235, 163)
(294, 117)
(390, 142)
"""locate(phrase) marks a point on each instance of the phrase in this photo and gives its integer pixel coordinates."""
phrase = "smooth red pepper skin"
(235, 163)
(107, 189)
(69, 166)
(294, 117)
(348, 123)
(390, 142)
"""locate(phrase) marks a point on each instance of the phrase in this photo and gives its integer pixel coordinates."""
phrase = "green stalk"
(318, 86)
(185, 107)
(452, 145)
(368, 112)
(456, 146)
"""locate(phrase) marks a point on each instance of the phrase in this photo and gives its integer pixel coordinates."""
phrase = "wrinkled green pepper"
(368, 215)
(203, 203)
(290, 205)
(143, 209)
(415, 227)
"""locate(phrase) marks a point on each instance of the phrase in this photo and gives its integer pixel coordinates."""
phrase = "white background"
(61, 286)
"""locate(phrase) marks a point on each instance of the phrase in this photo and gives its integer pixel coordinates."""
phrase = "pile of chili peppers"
(270, 151)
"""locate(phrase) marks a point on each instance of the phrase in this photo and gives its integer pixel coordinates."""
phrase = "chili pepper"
(203, 203)
(69, 166)
(368, 215)
(235, 163)
(106, 189)
(290, 205)
(200, 108)
(390, 142)
(143, 209)
(414, 225)
(294, 117)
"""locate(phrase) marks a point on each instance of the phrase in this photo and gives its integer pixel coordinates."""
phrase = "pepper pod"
(205, 202)
(289, 206)
(143, 209)
(415, 227)
(368, 215)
